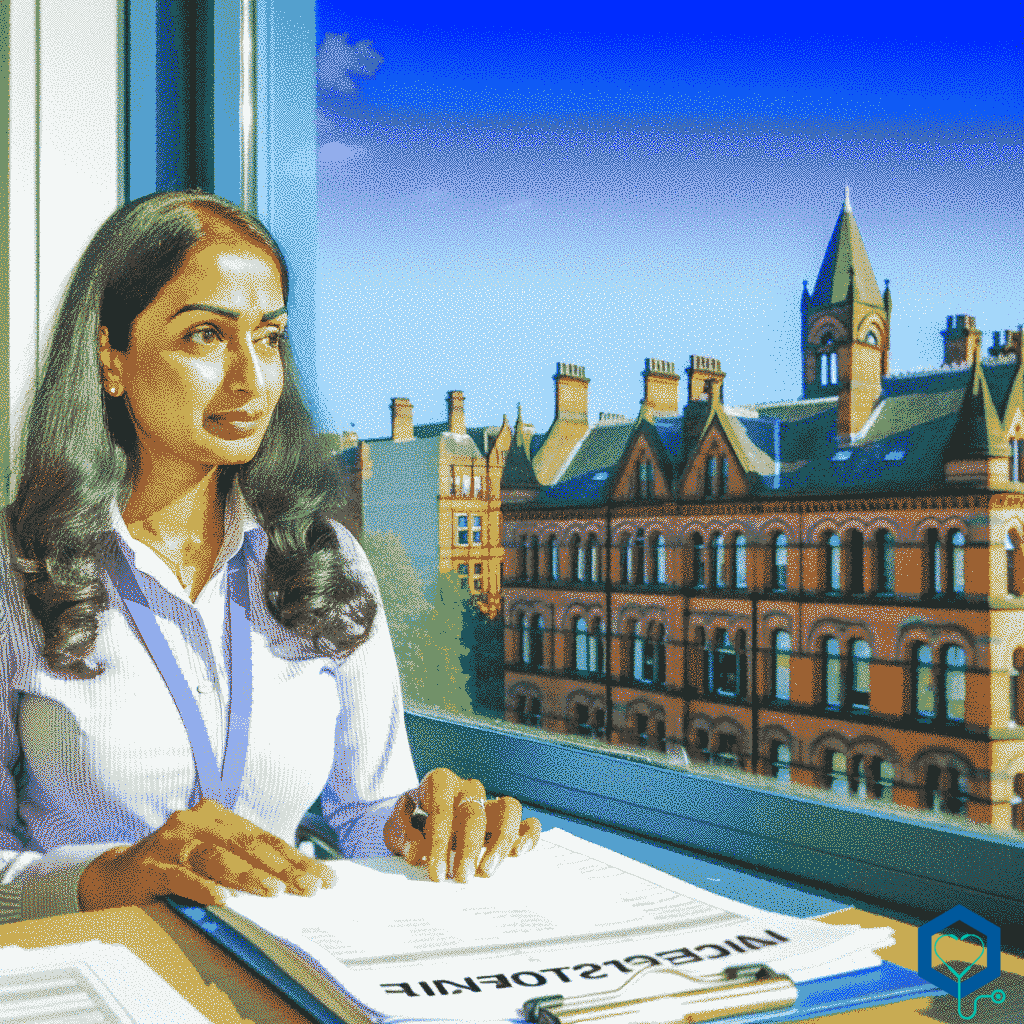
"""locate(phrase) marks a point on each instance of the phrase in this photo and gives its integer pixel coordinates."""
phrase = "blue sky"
(556, 183)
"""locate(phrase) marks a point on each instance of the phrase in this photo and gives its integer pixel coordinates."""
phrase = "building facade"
(826, 590)
(438, 487)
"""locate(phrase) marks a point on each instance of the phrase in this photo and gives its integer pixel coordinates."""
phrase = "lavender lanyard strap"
(220, 786)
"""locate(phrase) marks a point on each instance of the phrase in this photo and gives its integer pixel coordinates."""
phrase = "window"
(1015, 695)
(659, 733)
(859, 777)
(779, 574)
(881, 775)
(860, 675)
(644, 479)
(832, 549)
(478, 530)
(535, 557)
(945, 790)
(933, 565)
(580, 632)
(638, 651)
(577, 556)
(832, 672)
(1015, 460)
(725, 752)
(871, 338)
(478, 487)
(583, 720)
(835, 772)
(641, 729)
(955, 569)
(780, 760)
(654, 654)
(739, 562)
(924, 681)
(856, 562)
(593, 560)
(700, 744)
(717, 561)
(536, 646)
(628, 559)
(638, 576)
(464, 530)
(660, 574)
(954, 683)
(780, 664)
(698, 560)
(528, 710)
(525, 638)
(724, 675)
(823, 369)
(885, 550)
(553, 548)
(709, 476)
(833, 368)
(463, 576)
(596, 647)
(1013, 564)
(478, 577)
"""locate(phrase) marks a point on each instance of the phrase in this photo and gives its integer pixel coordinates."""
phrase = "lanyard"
(222, 787)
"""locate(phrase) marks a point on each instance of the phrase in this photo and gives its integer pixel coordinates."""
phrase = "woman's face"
(203, 370)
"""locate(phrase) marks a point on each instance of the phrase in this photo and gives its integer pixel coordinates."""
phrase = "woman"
(192, 651)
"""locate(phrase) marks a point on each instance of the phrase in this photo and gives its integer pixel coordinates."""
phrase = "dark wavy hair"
(80, 450)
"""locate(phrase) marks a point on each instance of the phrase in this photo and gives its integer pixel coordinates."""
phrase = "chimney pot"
(401, 419)
(456, 412)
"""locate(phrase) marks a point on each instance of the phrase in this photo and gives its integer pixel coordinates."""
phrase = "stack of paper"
(571, 917)
(87, 983)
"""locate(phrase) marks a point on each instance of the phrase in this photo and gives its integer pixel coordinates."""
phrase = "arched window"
(780, 761)
(739, 562)
(1016, 461)
(724, 670)
(955, 570)
(638, 559)
(709, 476)
(860, 675)
(593, 559)
(653, 654)
(871, 338)
(642, 721)
(833, 368)
(537, 642)
(660, 571)
(780, 664)
(535, 557)
(859, 776)
(698, 560)
(779, 581)
(933, 561)
(885, 550)
(856, 562)
(833, 579)
(638, 652)
(832, 672)
(717, 560)
(723, 475)
(528, 709)
(553, 547)
(524, 638)
(579, 629)
(1013, 564)
(954, 683)
(924, 681)
(823, 369)
(576, 558)
(835, 772)
(596, 647)
(583, 719)
(880, 779)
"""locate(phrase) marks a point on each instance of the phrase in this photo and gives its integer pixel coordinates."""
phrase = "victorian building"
(827, 590)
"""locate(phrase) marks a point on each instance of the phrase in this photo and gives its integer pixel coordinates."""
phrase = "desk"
(226, 993)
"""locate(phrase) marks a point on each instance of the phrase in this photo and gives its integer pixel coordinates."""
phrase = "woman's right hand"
(201, 854)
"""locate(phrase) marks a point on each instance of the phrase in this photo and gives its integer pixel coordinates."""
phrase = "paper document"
(569, 917)
(87, 983)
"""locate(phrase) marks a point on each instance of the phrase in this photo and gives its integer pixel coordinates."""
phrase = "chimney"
(960, 339)
(456, 413)
(706, 380)
(661, 387)
(401, 419)
(571, 383)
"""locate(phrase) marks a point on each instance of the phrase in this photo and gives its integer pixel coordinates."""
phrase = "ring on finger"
(468, 800)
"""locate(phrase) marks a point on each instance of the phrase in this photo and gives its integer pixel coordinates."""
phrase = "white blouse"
(88, 764)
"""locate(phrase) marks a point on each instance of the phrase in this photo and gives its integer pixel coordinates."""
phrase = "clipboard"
(875, 986)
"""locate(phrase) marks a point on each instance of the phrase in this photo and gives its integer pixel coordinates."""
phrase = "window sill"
(882, 854)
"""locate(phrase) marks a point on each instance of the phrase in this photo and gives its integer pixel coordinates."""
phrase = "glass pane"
(782, 665)
(838, 781)
(833, 673)
(741, 562)
(955, 683)
(924, 682)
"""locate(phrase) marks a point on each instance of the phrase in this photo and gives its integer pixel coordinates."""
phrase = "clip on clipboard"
(665, 995)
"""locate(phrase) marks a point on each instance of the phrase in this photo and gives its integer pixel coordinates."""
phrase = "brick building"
(827, 590)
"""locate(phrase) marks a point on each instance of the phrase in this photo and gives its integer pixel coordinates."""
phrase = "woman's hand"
(202, 854)
(465, 833)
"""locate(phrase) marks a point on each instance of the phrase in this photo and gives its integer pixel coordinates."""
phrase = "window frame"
(873, 850)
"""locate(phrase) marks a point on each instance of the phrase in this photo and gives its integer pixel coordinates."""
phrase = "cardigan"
(89, 764)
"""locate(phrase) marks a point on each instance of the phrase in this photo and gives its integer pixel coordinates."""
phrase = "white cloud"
(339, 153)
(337, 60)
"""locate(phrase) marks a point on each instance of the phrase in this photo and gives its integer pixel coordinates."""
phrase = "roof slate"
(845, 249)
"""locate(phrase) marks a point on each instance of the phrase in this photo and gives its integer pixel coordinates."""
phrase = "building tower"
(844, 338)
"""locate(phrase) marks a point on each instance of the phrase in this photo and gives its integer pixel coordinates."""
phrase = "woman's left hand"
(465, 833)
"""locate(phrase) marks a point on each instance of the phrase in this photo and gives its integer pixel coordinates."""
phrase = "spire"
(978, 433)
(845, 250)
(518, 473)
